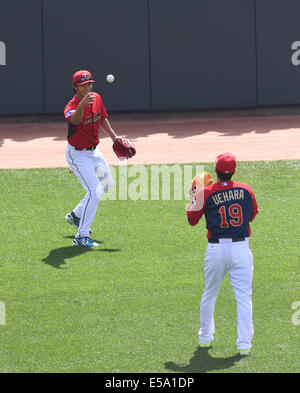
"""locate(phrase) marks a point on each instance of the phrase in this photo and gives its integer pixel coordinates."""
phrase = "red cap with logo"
(81, 77)
(226, 163)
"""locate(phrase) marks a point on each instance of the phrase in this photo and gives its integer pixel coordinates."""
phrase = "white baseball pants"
(94, 175)
(234, 258)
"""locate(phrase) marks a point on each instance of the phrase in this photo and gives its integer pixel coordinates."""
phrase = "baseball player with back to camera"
(85, 114)
(228, 207)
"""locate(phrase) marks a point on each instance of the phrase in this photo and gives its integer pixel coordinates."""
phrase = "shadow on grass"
(57, 257)
(202, 362)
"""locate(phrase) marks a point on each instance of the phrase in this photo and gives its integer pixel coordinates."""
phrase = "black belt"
(89, 148)
(236, 239)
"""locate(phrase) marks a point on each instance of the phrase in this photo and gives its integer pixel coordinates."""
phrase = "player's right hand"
(88, 99)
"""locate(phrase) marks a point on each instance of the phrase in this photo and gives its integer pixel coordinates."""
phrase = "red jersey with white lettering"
(85, 134)
(228, 207)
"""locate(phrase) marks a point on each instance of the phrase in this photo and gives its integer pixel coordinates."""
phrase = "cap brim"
(83, 83)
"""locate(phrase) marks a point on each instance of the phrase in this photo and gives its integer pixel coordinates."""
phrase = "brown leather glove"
(201, 180)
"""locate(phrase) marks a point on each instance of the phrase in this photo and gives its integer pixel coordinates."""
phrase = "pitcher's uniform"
(86, 161)
(228, 207)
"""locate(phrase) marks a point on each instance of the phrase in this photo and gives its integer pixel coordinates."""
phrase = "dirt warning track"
(160, 138)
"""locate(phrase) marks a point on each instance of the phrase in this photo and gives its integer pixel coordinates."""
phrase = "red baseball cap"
(226, 163)
(81, 77)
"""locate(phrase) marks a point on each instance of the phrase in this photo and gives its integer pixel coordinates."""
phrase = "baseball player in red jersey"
(85, 114)
(228, 207)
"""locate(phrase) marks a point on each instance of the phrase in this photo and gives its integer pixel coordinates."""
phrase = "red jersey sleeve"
(193, 217)
(101, 107)
(68, 112)
(195, 209)
(255, 209)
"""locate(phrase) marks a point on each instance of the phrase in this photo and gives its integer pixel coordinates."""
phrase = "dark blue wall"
(202, 53)
(105, 37)
(165, 54)
(21, 79)
(278, 28)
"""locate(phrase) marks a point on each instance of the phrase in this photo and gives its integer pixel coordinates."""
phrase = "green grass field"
(132, 305)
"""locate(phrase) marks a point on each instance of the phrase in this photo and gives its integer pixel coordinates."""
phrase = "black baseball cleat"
(85, 242)
(73, 220)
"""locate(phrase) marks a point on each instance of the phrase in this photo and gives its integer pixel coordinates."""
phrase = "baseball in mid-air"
(110, 78)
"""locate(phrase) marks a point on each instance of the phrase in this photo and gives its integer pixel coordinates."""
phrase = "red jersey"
(85, 134)
(228, 207)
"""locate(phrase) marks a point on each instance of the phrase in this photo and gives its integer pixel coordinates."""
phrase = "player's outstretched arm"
(105, 125)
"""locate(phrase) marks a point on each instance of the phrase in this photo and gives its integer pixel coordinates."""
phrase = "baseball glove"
(123, 148)
(201, 180)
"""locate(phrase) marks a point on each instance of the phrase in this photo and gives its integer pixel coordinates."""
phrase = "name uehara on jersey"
(229, 195)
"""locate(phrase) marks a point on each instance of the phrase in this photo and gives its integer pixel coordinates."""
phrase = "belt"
(89, 148)
(235, 239)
